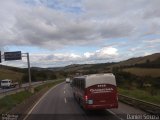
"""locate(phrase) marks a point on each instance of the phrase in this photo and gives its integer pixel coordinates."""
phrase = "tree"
(53, 76)
(41, 75)
(147, 61)
(25, 78)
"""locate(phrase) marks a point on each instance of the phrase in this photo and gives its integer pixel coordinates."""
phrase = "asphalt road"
(59, 104)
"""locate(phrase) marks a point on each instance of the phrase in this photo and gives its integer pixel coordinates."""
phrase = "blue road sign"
(12, 55)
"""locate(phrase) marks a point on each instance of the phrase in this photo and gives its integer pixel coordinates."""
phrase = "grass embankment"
(153, 72)
(48, 85)
(141, 94)
(10, 101)
(9, 74)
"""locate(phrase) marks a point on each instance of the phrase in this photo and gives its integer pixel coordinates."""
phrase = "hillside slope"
(138, 60)
(7, 72)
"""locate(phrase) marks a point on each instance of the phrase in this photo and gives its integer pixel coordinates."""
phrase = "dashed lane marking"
(115, 115)
(65, 100)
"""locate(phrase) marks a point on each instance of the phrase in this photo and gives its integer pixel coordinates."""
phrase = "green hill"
(10, 74)
(154, 58)
(152, 72)
(141, 66)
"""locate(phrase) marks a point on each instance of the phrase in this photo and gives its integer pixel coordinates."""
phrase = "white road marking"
(40, 100)
(65, 100)
(115, 114)
(64, 92)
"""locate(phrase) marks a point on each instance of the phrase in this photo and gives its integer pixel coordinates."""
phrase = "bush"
(53, 76)
(25, 78)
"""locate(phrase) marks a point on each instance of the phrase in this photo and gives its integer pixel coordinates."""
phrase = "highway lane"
(59, 104)
(124, 110)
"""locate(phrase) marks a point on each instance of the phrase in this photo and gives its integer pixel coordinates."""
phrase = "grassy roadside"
(10, 101)
(48, 85)
(140, 94)
(153, 72)
(10, 74)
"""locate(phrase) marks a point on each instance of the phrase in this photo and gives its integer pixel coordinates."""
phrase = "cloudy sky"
(63, 32)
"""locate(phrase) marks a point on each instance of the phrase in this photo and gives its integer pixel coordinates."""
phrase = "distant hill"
(142, 63)
(83, 67)
(12, 68)
(141, 66)
(13, 73)
(152, 72)
(138, 60)
(107, 67)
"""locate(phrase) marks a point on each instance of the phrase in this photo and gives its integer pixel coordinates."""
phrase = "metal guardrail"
(145, 106)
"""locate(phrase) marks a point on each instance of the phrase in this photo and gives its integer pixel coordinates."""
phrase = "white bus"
(96, 91)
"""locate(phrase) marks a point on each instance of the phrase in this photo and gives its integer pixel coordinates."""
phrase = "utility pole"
(29, 70)
(17, 55)
(0, 57)
(31, 89)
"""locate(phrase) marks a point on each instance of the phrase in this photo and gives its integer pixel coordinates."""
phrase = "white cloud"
(107, 51)
(103, 53)
(106, 54)
(61, 59)
(152, 41)
(57, 24)
(46, 26)
(88, 54)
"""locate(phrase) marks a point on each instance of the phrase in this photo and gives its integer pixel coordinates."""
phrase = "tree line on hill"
(124, 79)
(43, 75)
(146, 64)
(129, 81)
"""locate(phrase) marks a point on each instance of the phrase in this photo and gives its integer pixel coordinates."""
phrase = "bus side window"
(83, 84)
(75, 82)
(80, 83)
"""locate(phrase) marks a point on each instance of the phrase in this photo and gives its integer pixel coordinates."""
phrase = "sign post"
(29, 70)
(0, 57)
(31, 89)
(17, 55)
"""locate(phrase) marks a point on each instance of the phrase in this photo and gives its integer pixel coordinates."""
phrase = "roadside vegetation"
(48, 85)
(152, 72)
(10, 74)
(141, 81)
(141, 94)
(136, 77)
(10, 101)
